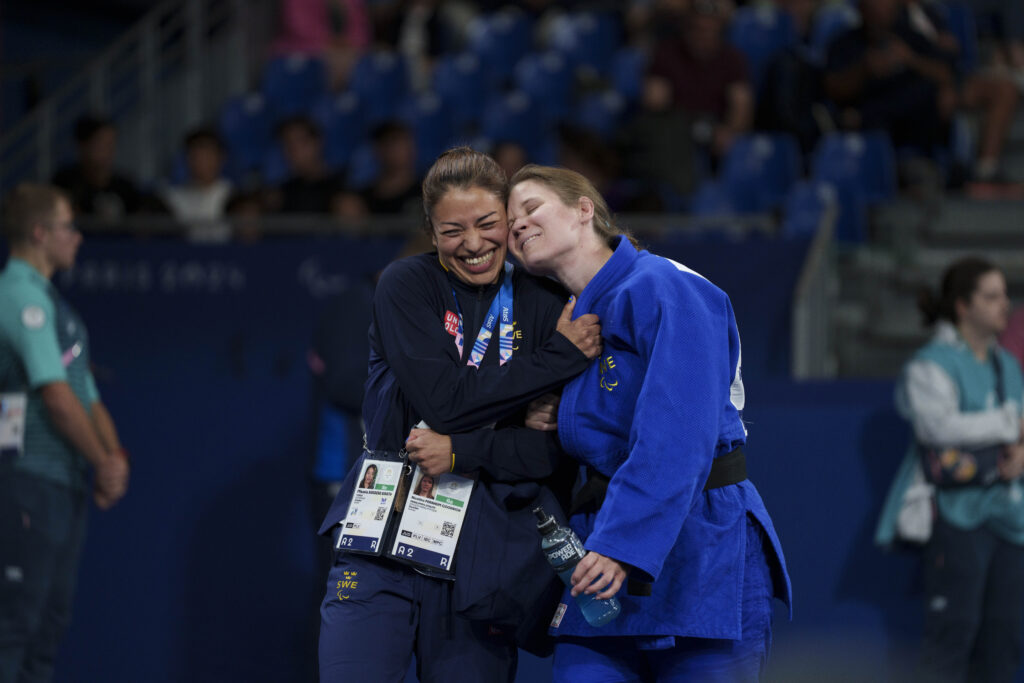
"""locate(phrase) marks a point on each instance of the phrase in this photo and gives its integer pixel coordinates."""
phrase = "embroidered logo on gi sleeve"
(608, 379)
(347, 584)
(33, 317)
(556, 620)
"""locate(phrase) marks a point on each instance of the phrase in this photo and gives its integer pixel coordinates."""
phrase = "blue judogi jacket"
(663, 401)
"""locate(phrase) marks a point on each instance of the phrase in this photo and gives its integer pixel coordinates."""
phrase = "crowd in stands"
(666, 105)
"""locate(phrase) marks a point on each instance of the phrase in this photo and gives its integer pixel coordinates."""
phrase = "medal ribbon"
(503, 303)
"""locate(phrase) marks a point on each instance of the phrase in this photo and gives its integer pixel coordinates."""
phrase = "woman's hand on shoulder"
(430, 450)
(584, 332)
(596, 572)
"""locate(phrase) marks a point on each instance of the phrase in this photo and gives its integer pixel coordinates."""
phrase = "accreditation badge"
(432, 520)
(12, 423)
(365, 527)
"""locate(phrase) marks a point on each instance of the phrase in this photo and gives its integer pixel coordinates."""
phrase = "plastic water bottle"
(563, 550)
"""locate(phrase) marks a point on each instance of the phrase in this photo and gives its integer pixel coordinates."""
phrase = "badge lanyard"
(503, 302)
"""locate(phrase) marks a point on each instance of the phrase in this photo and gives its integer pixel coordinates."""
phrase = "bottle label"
(567, 554)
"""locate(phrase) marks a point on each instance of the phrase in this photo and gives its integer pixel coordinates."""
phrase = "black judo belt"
(726, 470)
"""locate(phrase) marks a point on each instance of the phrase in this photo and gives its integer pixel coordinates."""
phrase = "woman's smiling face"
(543, 228)
(470, 231)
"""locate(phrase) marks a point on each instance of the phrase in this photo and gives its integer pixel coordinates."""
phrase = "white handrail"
(811, 327)
(158, 108)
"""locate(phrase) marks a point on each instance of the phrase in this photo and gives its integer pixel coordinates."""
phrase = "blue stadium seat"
(362, 166)
(759, 169)
(806, 206)
(863, 160)
(274, 169)
(178, 173)
(713, 211)
(500, 40)
(247, 127)
(862, 168)
(629, 65)
(380, 79)
(432, 127)
(761, 32)
(292, 83)
(459, 81)
(547, 79)
(514, 117)
(712, 199)
(587, 39)
(340, 117)
(600, 112)
(964, 26)
(830, 20)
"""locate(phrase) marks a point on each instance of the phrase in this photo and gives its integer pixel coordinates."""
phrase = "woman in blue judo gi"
(666, 509)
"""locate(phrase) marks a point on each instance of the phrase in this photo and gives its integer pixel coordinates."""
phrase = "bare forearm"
(105, 428)
(72, 422)
(740, 114)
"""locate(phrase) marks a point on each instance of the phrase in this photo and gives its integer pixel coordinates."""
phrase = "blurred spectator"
(511, 156)
(649, 22)
(881, 79)
(658, 153)
(311, 187)
(386, 20)
(336, 30)
(202, 201)
(586, 153)
(1012, 338)
(430, 28)
(993, 93)
(245, 210)
(95, 188)
(1008, 19)
(791, 96)
(396, 189)
(703, 76)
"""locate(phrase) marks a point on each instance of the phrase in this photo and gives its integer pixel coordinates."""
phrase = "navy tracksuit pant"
(378, 613)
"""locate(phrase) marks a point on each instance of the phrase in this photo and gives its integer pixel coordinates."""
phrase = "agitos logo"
(347, 583)
(608, 382)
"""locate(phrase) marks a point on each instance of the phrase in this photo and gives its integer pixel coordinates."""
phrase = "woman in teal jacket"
(974, 558)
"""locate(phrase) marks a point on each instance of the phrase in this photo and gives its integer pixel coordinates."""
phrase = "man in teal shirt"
(52, 424)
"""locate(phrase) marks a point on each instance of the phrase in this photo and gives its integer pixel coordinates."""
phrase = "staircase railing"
(169, 72)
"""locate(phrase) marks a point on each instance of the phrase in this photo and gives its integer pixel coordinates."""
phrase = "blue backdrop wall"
(205, 572)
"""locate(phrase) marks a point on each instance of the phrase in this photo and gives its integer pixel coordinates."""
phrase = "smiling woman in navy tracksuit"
(658, 423)
(427, 362)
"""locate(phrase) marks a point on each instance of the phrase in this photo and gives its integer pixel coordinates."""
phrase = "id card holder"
(12, 423)
(374, 501)
(428, 531)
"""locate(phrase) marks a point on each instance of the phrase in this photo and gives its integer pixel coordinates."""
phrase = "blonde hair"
(569, 186)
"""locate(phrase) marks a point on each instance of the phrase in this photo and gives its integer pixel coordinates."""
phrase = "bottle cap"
(545, 522)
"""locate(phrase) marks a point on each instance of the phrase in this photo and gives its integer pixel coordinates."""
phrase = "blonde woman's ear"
(586, 209)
